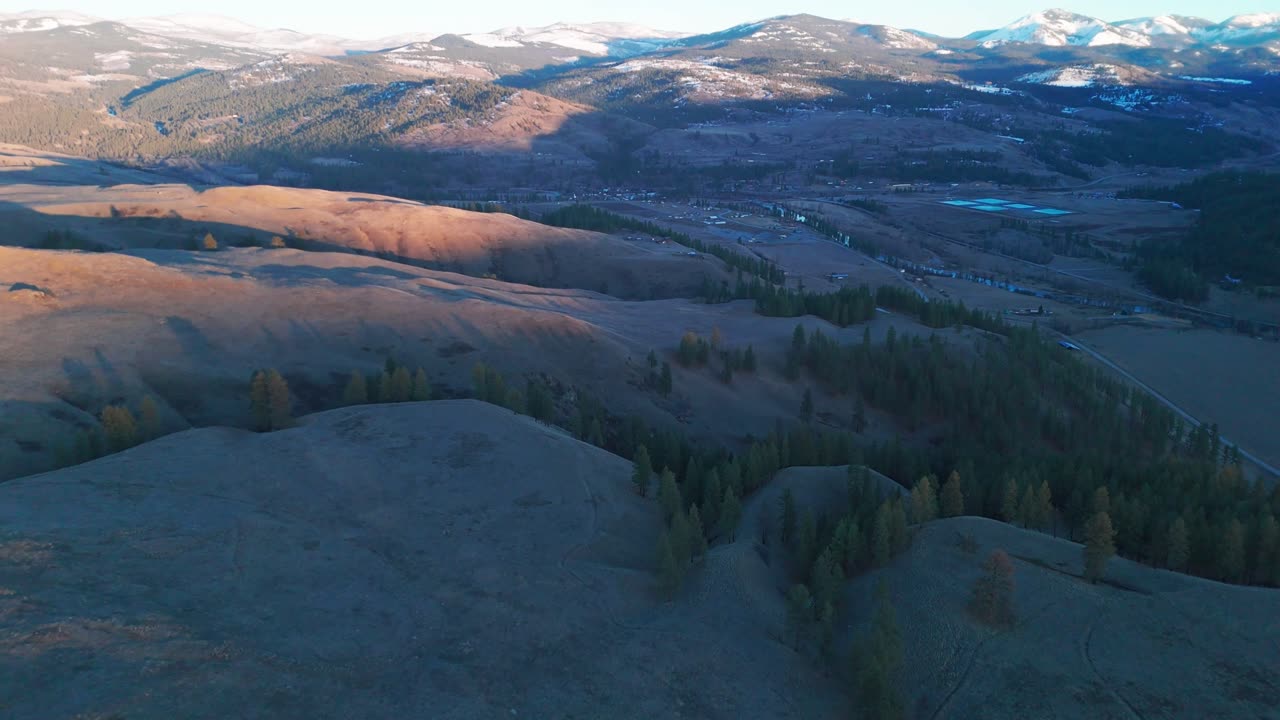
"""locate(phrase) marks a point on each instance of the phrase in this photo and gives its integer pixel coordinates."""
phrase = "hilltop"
(374, 557)
(371, 562)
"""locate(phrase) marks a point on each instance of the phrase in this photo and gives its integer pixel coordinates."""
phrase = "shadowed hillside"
(370, 563)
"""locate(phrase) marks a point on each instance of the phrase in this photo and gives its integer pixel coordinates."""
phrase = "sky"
(380, 18)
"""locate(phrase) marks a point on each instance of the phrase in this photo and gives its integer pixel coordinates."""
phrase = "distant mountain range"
(1054, 28)
(1062, 27)
(183, 85)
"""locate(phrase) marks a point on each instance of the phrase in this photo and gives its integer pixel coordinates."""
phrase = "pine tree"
(1044, 506)
(1027, 507)
(149, 418)
(806, 405)
(421, 386)
(749, 360)
(1101, 501)
(691, 483)
(787, 511)
(664, 381)
(826, 578)
(1179, 549)
(798, 612)
(356, 392)
(730, 514)
(859, 415)
(924, 501)
(697, 533)
(881, 536)
(480, 381)
(805, 546)
(670, 571)
(669, 498)
(1099, 545)
(879, 660)
(898, 537)
(952, 496)
(712, 495)
(280, 406)
(855, 547)
(642, 472)
(1009, 505)
(119, 428)
(681, 539)
(382, 390)
(401, 385)
(515, 401)
(1268, 543)
(259, 408)
(992, 598)
(826, 627)
(538, 397)
(1232, 555)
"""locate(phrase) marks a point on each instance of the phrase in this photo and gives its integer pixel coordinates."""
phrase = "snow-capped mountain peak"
(40, 20)
(599, 38)
(1253, 20)
(1242, 30)
(1179, 26)
(1058, 27)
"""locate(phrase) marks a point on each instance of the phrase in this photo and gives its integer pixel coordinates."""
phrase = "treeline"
(843, 307)
(1237, 234)
(1020, 413)
(119, 429)
(939, 313)
(270, 407)
(934, 166)
(587, 217)
(695, 351)
(396, 383)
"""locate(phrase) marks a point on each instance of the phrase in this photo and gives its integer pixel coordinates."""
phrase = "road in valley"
(1263, 466)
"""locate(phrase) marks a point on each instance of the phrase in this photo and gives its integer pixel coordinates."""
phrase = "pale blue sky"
(374, 18)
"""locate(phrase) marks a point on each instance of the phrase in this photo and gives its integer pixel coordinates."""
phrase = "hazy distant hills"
(209, 87)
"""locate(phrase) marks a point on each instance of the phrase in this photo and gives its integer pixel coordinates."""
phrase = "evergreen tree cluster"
(1103, 453)
(829, 546)
(586, 217)
(844, 307)
(395, 384)
(118, 430)
(1237, 233)
(270, 404)
(1034, 432)
(938, 313)
(992, 598)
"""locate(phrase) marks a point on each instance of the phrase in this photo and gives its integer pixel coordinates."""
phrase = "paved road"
(1262, 465)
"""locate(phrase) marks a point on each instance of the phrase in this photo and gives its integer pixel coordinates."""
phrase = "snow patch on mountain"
(1224, 81)
(1061, 28)
(42, 21)
(1242, 30)
(898, 39)
(1076, 76)
(603, 39)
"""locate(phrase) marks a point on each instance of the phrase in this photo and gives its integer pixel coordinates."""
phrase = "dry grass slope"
(1145, 644)
(478, 244)
(446, 557)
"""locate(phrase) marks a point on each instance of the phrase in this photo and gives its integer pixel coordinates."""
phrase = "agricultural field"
(1217, 376)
